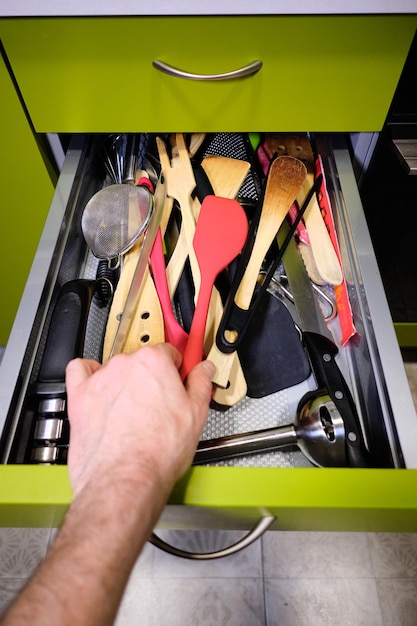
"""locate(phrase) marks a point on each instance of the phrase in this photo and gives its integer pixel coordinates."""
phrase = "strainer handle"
(257, 531)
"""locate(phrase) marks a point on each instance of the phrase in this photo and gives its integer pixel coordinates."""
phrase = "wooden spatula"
(147, 326)
(226, 176)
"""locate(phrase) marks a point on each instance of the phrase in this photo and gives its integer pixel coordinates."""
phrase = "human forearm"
(84, 575)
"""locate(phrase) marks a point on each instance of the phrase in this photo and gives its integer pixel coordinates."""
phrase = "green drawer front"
(320, 73)
(301, 499)
(25, 196)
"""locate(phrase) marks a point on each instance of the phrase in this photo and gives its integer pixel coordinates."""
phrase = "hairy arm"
(134, 430)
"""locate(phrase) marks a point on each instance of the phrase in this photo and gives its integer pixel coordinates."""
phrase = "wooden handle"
(237, 388)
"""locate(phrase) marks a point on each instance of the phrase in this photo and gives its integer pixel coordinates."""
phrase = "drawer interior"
(370, 362)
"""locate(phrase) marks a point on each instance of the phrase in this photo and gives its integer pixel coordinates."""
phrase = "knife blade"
(137, 280)
(322, 351)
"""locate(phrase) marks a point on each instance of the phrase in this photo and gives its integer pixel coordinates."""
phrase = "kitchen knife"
(322, 352)
(65, 341)
(137, 280)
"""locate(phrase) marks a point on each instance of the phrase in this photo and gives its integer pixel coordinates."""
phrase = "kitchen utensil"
(64, 342)
(310, 263)
(318, 431)
(236, 318)
(115, 217)
(174, 332)
(195, 141)
(147, 324)
(325, 257)
(137, 284)
(122, 155)
(180, 184)
(238, 147)
(220, 234)
(322, 352)
(226, 176)
(147, 327)
(285, 177)
(272, 355)
(112, 153)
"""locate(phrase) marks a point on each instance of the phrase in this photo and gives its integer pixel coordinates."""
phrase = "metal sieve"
(114, 218)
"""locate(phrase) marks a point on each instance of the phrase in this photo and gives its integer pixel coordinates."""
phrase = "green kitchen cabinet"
(26, 189)
(328, 74)
(319, 73)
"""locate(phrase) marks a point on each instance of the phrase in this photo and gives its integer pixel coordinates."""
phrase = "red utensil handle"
(174, 333)
(194, 350)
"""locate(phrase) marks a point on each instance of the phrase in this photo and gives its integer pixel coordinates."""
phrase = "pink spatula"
(174, 332)
(220, 234)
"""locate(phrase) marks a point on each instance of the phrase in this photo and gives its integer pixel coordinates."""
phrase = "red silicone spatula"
(220, 234)
(174, 332)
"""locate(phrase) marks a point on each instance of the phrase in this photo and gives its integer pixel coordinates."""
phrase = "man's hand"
(134, 417)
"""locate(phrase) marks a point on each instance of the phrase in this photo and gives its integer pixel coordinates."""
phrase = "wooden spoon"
(220, 234)
(325, 257)
(285, 178)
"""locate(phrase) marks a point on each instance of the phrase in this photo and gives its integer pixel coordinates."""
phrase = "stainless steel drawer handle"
(257, 531)
(241, 72)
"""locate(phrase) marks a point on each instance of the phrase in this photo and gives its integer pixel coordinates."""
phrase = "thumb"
(78, 371)
(199, 386)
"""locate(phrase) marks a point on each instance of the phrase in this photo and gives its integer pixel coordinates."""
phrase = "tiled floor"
(285, 579)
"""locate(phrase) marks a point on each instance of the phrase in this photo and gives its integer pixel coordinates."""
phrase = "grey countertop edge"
(68, 8)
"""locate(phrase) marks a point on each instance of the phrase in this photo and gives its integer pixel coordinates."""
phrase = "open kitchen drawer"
(299, 496)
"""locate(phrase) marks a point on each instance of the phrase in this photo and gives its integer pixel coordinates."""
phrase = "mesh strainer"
(115, 217)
